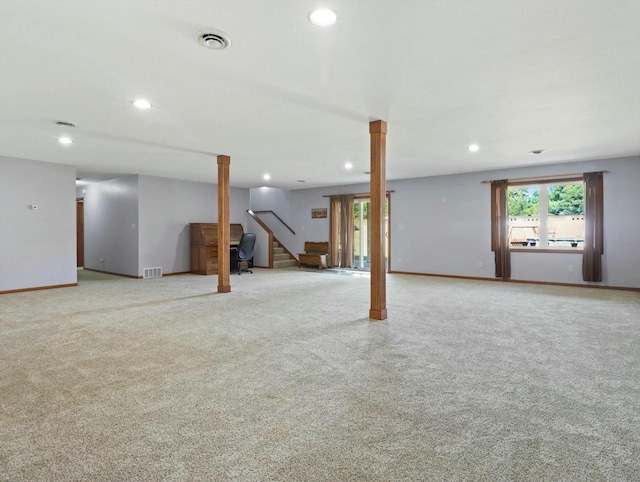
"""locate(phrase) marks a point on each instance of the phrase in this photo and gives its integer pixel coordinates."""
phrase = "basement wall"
(261, 250)
(167, 207)
(37, 247)
(271, 199)
(111, 226)
(441, 224)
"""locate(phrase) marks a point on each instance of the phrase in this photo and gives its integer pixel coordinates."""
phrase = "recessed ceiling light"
(348, 165)
(65, 140)
(473, 147)
(266, 177)
(323, 17)
(537, 151)
(142, 104)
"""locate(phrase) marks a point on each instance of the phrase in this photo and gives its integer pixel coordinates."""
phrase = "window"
(547, 215)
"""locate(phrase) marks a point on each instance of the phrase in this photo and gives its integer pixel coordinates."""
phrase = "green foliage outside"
(365, 211)
(359, 230)
(563, 200)
(523, 202)
(356, 212)
(566, 199)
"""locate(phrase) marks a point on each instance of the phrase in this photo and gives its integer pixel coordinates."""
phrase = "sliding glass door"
(362, 234)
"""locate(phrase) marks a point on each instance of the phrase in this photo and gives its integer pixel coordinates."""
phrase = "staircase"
(281, 259)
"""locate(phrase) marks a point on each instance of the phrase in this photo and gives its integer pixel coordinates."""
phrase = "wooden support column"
(224, 230)
(378, 132)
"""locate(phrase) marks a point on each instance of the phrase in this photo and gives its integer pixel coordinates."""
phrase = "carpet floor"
(285, 378)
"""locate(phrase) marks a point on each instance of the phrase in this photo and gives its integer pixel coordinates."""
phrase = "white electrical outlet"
(400, 226)
(133, 226)
(480, 264)
(102, 260)
(570, 268)
(399, 260)
(443, 200)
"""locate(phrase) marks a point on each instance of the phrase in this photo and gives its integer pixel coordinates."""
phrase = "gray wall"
(294, 207)
(453, 237)
(167, 206)
(276, 200)
(306, 228)
(37, 248)
(261, 250)
(111, 226)
(269, 198)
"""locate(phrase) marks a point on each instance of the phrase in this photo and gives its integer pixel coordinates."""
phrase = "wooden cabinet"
(204, 246)
(204, 260)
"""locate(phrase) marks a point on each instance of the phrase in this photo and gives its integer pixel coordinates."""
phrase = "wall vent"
(152, 273)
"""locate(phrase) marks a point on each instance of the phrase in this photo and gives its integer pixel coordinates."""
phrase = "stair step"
(278, 250)
(276, 244)
(281, 257)
(284, 263)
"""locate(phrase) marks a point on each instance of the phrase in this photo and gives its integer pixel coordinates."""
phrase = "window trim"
(535, 249)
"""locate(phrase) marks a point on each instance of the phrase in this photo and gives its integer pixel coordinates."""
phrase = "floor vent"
(152, 273)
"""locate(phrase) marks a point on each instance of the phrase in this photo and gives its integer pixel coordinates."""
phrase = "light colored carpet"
(286, 379)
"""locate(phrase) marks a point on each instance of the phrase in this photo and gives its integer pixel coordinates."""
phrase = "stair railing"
(277, 217)
(269, 232)
(272, 238)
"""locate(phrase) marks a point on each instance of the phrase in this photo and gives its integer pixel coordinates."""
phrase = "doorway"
(80, 232)
(362, 233)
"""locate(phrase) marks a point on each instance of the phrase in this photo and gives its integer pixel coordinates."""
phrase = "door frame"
(80, 232)
(367, 196)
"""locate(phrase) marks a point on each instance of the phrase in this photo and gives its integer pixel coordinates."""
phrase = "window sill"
(546, 250)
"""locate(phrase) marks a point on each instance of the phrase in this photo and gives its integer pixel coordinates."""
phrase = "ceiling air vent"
(213, 40)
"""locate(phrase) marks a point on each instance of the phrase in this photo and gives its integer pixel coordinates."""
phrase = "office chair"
(244, 253)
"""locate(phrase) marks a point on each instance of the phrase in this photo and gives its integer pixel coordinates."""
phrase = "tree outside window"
(524, 201)
(567, 199)
(546, 215)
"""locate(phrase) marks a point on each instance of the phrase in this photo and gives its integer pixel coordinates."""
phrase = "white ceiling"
(295, 100)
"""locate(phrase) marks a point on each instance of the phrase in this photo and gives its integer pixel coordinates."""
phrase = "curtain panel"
(341, 227)
(334, 231)
(346, 230)
(593, 227)
(500, 228)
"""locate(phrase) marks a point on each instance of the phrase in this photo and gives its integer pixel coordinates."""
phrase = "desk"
(204, 246)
